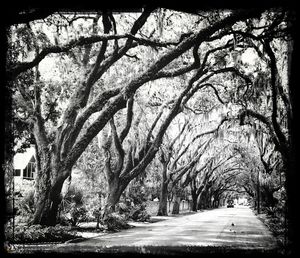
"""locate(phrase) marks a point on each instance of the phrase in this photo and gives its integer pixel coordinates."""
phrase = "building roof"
(22, 159)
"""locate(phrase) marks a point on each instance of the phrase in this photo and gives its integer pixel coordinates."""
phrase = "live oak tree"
(95, 92)
(248, 165)
(278, 119)
(224, 181)
(180, 162)
(272, 176)
(61, 142)
(270, 100)
(183, 162)
(177, 158)
(208, 81)
(255, 170)
(183, 168)
(202, 181)
(123, 166)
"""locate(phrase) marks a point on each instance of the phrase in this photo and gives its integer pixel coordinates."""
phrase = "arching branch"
(119, 101)
(125, 131)
(118, 147)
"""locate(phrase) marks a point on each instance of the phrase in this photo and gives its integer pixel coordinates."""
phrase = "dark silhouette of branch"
(118, 146)
(18, 68)
(274, 82)
(120, 100)
(18, 15)
(215, 91)
(182, 70)
(282, 148)
(125, 131)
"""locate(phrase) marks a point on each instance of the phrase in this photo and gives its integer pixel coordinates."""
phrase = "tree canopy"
(187, 89)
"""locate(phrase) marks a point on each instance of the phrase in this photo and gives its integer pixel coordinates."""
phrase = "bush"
(38, 233)
(124, 208)
(72, 208)
(136, 212)
(137, 194)
(271, 211)
(78, 214)
(24, 207)
(135, 205)
(115, 221)
(139, 213)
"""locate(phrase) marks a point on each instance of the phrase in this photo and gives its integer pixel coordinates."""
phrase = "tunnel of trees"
(190, 104)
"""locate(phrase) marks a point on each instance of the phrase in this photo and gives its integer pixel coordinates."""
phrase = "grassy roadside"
(276, 227)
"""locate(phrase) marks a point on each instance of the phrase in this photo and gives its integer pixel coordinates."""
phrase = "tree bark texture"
(194, 201)
(194, 194)
(115, 189)
(176, 203)
(49, 182)
(163, 200)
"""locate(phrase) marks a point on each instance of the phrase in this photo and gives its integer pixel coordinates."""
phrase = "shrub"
(136, 212)
(271, 211)
(78, 214)
(38, 233)
(27, 203)
(137, 194)
(135, 206)
(139, 213)
(23, 206)
(124, 208)
(72, 208)
(115, 221)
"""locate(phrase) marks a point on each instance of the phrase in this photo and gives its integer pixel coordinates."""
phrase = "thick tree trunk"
(51, 173)
(46, 211)
(48, 194)
(199, 202)
(204, 202)
(115, 189)
(267, 198)
(194, 194)
(216, 201)
(176, 203)
(163, 199)
(194, 200)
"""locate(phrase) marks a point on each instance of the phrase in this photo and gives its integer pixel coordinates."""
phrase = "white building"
(24, 166)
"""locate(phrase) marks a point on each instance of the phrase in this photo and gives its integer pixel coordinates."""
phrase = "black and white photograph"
(154, 130)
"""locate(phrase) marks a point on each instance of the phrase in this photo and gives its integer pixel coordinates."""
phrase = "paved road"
(224, 227)
(234, 227)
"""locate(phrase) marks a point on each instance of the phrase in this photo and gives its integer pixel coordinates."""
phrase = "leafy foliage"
(82, 72)
(139, 213)
(134, 204)
(72, 210)
(37, 234)
(26, 205)
(115, 222)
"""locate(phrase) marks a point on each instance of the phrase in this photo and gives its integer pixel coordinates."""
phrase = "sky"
(249, 56)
